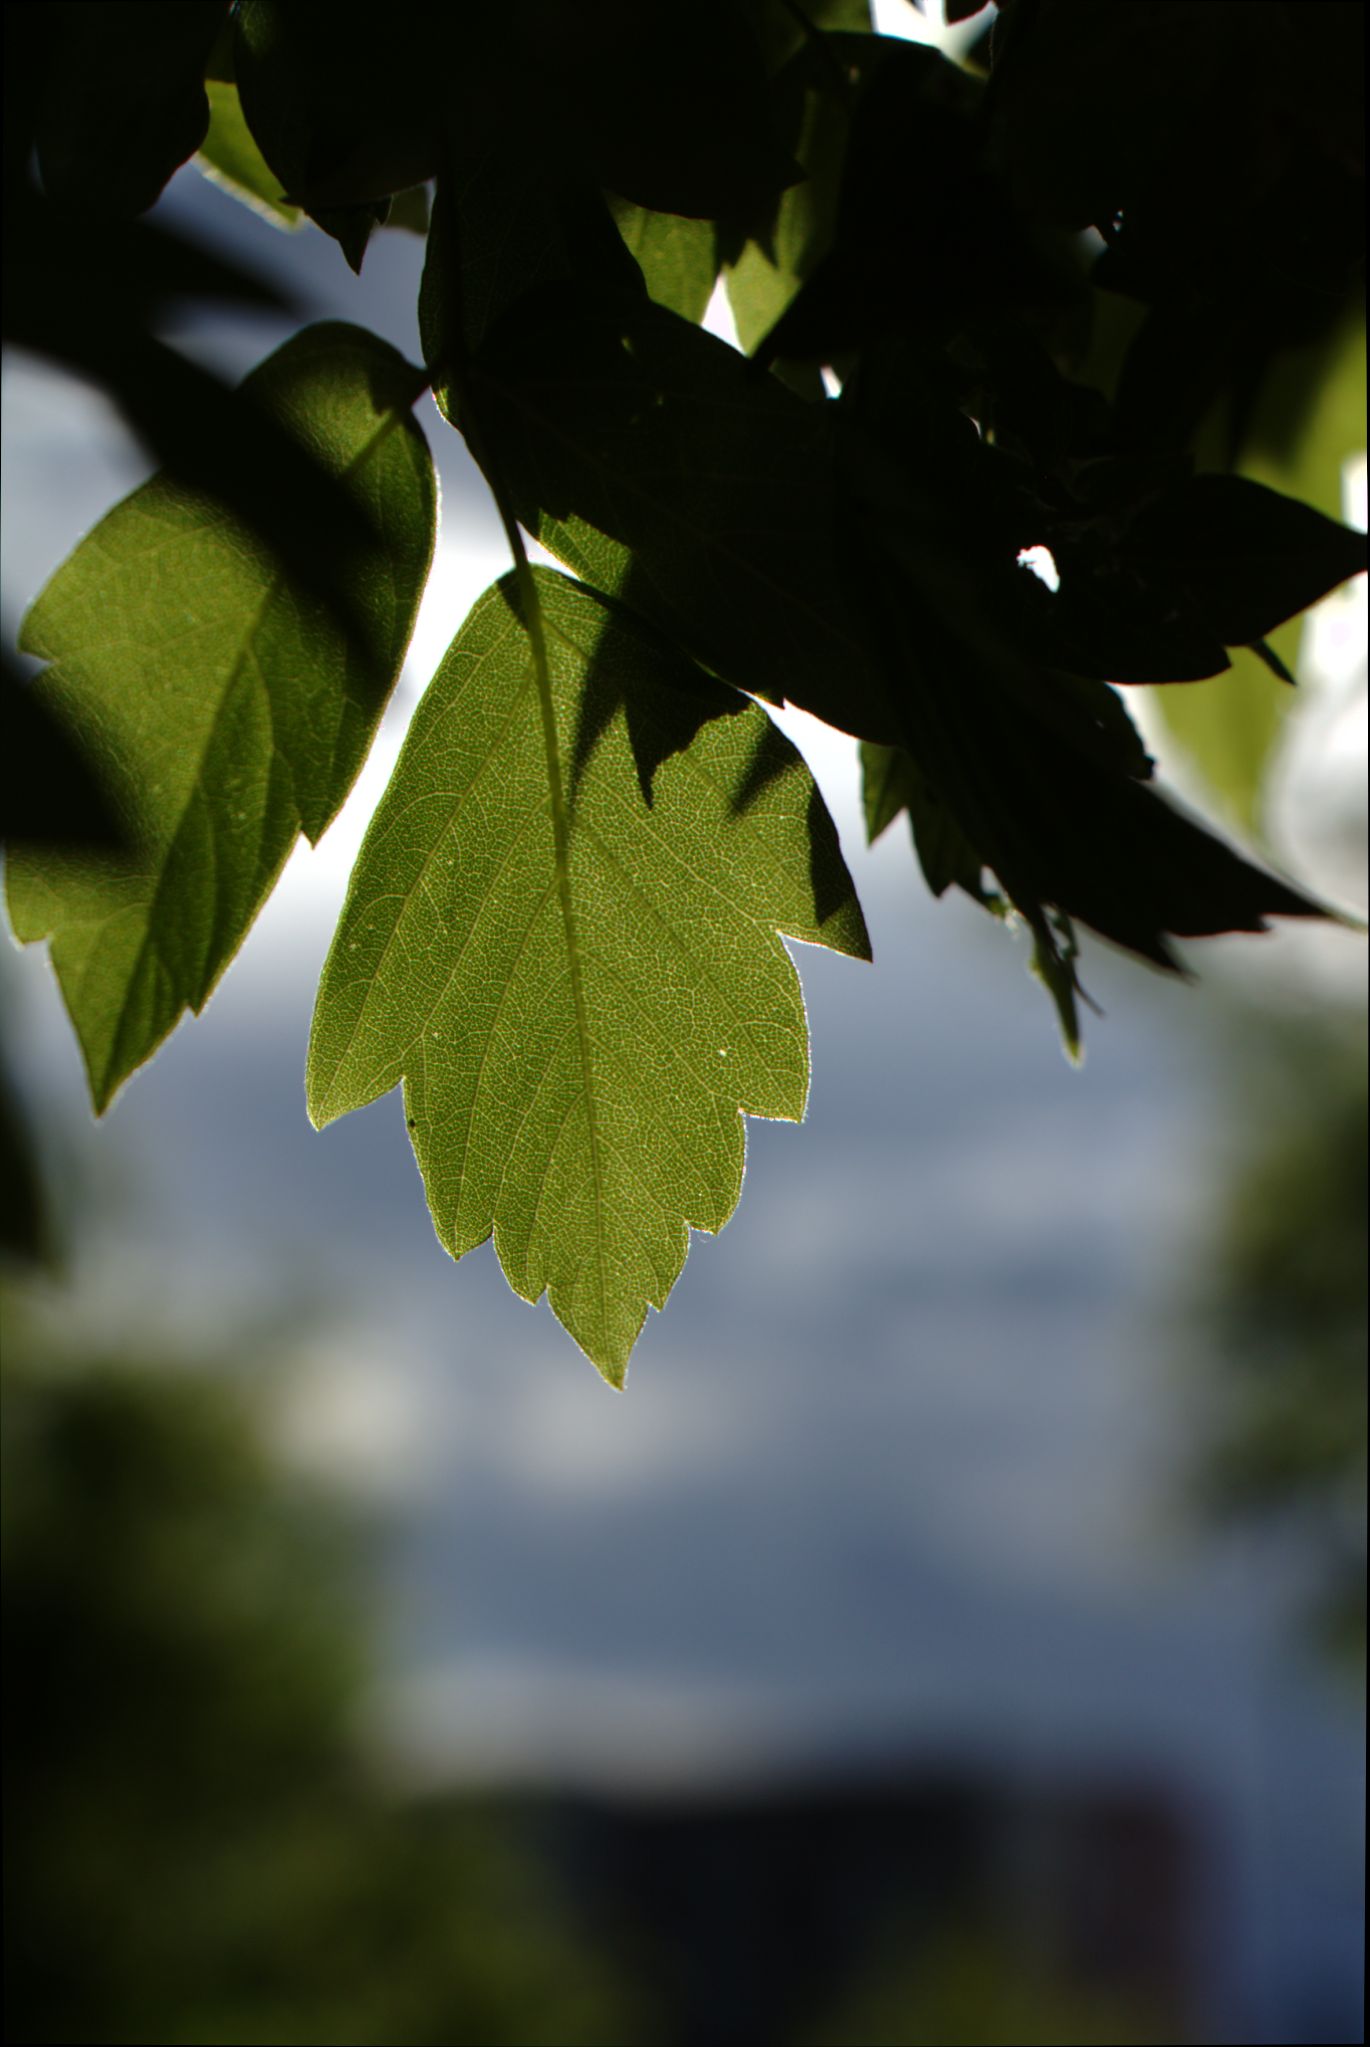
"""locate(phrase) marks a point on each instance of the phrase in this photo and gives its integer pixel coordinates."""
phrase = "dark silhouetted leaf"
(344, 110)
(892, 784)
(648, 457)
(1244, 557)
(124, 103)
(502, 227)
(666, 105)
(1040, 773)
(1050, 796)
(1264, 133)
(927, 241)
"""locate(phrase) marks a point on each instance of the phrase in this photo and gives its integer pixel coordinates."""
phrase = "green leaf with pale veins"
(562, 935)
(226, 710)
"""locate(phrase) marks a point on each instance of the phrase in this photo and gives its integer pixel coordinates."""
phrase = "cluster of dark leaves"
(856, 555)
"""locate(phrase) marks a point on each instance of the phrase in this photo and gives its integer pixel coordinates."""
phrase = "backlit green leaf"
(230, 157)
(561, 934)
(226, 710)
(771, 267)
(678, 257)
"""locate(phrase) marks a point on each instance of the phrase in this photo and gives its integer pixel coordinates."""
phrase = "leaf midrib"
(535, 627)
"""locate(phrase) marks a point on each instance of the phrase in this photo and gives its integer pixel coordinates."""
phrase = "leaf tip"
(1267, 654)
(316, 1103)
(102, 1095)
(610, 1356)
(107, 1080)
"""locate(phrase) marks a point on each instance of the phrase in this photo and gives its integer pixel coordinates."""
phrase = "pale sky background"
(899, 1471)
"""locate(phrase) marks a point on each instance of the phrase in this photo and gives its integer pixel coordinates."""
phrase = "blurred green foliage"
(1284, 1300)
(198, 1850)
(195, 1848)
(967, 1989)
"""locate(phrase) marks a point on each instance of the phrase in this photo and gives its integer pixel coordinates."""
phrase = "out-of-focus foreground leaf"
(26, 1227)
(48, 790)
(124, 103)
(561, 934)
(224, 708)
